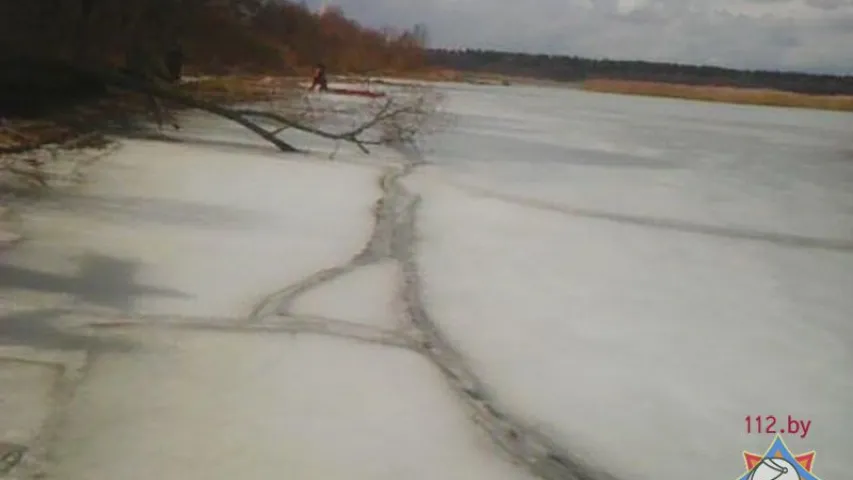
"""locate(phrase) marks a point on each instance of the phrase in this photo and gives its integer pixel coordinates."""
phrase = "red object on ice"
(361, 93)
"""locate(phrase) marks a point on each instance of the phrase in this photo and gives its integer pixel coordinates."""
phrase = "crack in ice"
(393, 238)
(789, 240)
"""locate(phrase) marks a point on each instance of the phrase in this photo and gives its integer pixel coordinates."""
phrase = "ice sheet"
(194, 230)
(217, 406)
(633, 276)
(366, 295)
(637, 276)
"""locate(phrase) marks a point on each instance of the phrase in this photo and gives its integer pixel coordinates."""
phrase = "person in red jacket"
(319, 79)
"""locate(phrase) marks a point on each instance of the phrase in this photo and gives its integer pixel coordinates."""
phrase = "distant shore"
(707, 93)
(746, 96)
(720, 94)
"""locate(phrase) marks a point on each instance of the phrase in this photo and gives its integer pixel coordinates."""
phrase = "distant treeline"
(573, 69)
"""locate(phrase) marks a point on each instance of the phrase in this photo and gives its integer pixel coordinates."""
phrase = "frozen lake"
(649, 271)
(715, 164)
(630, 277)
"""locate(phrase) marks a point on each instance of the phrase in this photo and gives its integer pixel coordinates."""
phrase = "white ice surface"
(224, 406)
(635, 276)
(601, 335)
(367, 295)
(208, 228)
(199, 230)
(25, 399)
(753, 168)
(628, 273)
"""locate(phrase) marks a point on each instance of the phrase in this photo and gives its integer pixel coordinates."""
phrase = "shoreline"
(721, 94)
(758, 96)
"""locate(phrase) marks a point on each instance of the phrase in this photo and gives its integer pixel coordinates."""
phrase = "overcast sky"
(808, 35)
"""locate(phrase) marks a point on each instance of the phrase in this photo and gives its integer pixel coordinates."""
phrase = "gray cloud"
(829, 4)
(809, 35)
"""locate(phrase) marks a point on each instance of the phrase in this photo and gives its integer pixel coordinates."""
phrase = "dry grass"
(749, 96)
(244, 88)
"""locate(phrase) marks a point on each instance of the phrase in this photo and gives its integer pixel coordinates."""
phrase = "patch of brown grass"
(243, 88)
(21, 134)
(748, 96)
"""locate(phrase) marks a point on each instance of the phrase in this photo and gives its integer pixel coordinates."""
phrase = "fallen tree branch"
(387, 112)
(150, 87)
(288, 123)
(395, 118)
